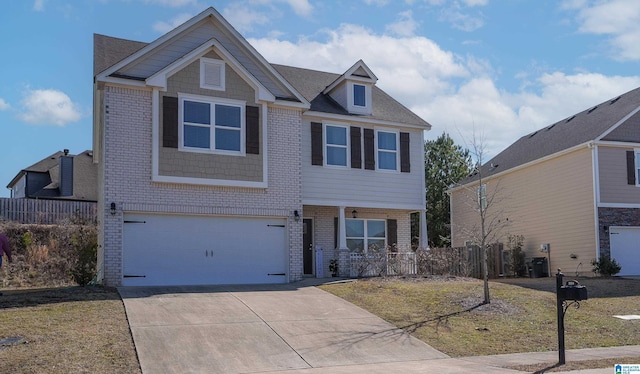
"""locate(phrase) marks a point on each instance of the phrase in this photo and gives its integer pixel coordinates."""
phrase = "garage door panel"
(181, 250)
(625, 249)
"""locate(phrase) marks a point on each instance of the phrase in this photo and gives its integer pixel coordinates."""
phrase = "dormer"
(353, 89)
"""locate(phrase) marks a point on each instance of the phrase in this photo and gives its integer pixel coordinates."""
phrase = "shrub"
(85, 248)
(606, 267)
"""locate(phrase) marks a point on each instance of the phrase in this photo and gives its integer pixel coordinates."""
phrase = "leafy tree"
(445, 165)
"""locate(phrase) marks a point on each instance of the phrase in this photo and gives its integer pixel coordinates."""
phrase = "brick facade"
(127, 178)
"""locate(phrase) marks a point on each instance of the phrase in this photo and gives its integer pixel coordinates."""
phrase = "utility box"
(573, 291)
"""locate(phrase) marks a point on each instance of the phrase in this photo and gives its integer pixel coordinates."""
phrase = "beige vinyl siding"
(550, 202)
(612, 165)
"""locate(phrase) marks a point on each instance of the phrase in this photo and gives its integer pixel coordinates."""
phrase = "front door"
(307, 246)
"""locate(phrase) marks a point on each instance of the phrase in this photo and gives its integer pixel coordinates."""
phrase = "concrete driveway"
(269, 328)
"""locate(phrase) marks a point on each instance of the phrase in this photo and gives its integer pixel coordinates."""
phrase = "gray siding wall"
(362, 187)
(612, 165)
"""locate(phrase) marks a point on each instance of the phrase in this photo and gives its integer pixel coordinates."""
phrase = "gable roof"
(312, 84)
(359, 71)
(109, 51)
(616, 119)
(207, 27)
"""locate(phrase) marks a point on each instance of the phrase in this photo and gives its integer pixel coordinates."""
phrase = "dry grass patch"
(446, 313)
(66, 330)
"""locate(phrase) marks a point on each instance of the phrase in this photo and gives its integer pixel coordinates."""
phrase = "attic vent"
(212, 74)
(592, 109)
(614, 100)
(570, 118)
(532, 134)
(550, 127)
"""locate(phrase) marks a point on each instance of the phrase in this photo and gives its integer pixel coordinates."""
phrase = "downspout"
(596, 193)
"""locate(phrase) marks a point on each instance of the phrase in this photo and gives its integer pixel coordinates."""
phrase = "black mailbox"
(573, 291)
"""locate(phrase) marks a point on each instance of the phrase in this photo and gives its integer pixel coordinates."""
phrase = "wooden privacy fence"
(38, 211)
(461, 261)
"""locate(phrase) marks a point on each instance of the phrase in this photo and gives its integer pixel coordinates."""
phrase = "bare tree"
(488, 203)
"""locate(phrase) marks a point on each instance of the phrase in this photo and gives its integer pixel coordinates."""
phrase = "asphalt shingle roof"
(574, 130)
(309, 83)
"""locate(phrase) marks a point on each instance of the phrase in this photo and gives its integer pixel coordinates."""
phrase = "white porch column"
(342, 229)
(424, 240)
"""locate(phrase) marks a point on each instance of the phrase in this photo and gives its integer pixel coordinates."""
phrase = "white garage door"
(625, 249)
(193, 250)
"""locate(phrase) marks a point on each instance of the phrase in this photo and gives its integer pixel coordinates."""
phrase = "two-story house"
(60, 176)
(217, 167)
(572, 189)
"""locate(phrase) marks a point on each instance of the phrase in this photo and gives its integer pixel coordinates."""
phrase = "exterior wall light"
(296, 216)
(113, 209)
(354, 213)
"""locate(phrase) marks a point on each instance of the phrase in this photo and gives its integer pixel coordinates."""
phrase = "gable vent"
(592, 109)
(212, 74)
(614, 100)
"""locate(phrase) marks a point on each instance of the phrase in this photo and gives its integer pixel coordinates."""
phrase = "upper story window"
(359, 95)
(211, 125)
(212, 74)
(336, 145)
(387, 150)
(366, 235)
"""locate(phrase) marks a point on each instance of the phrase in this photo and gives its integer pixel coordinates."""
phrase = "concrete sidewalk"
(571, 355)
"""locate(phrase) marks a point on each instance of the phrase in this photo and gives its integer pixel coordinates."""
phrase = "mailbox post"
(566, 295)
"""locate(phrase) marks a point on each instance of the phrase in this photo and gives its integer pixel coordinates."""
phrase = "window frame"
(366, 236)
(326, 145)
(203, 62)
(396, 152)
(351, 92)
(212, 102)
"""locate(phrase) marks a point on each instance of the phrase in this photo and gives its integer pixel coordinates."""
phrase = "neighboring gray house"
(572, 189)
(61, 176)
(217, 167)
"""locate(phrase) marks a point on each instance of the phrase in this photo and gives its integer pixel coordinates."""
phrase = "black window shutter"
(392, 232)
(335, 232)
(252, 141)
(369, 150)
(405, 163)
(631, 167)
(170, 122)
(356, 148)
(316, 143)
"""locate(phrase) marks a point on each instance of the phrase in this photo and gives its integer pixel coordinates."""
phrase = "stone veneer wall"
(615, 217)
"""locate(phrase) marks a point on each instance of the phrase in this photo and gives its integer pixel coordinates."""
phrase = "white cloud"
(376, 2)
(300, 7)
(172, 3)
(405, 26)
(164, 27)
(4, 105)
(618, 19)
(38, 5)
(48, 107)
(453, 93)
(243, 16)
(461, 21)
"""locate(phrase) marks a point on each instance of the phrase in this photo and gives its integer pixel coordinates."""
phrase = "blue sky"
(496, 69)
